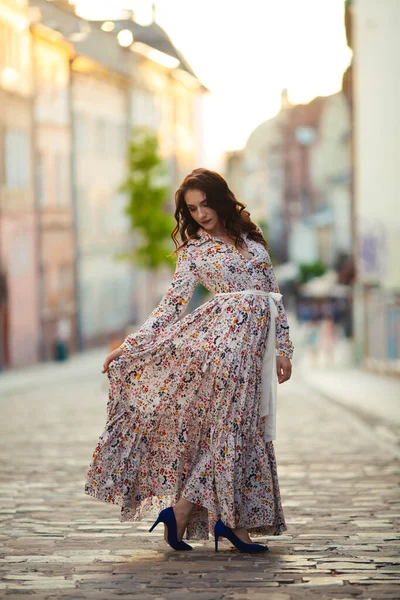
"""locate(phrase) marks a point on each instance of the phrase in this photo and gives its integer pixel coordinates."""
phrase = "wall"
(100, 114)
(377, 135)
(53, 190)
(19, 322)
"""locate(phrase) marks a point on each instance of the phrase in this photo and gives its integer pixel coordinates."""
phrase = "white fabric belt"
(269, 380)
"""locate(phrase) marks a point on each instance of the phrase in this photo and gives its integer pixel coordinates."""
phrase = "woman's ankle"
(184, 507)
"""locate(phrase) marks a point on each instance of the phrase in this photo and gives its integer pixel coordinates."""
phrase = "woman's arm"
(284, 346)
(170, 307)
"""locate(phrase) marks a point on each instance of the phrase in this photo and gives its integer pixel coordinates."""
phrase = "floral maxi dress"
(183, 414)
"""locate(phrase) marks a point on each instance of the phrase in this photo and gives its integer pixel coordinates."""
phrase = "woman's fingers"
(285, 375)
(283, 368)
(106, 364)
(116, 354)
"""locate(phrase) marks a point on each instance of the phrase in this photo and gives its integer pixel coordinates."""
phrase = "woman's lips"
(205, 222)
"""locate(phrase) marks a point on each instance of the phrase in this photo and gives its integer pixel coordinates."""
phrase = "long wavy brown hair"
(231, 213)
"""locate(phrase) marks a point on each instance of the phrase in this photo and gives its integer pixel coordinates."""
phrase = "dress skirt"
(183, 420)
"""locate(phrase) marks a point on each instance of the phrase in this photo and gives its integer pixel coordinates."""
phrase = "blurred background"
(105, 107)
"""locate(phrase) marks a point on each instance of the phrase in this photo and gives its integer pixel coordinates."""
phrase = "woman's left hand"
(115, 354)
(283, 368)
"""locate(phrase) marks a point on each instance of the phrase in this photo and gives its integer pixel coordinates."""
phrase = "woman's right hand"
(115, 354)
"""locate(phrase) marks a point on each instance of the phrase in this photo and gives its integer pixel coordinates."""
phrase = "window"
(65, 285)
(144, 110)
(17, 159)
(10, 49)
(40, 181)
(122, 139)
(82, 132)
(66, 277)
(60, 192)
(101, 137)
(85, 213)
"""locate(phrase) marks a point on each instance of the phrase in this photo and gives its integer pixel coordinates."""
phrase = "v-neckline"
(232, 246)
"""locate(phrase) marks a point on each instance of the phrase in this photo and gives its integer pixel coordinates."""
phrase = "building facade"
(105, 284)
(70, 92)
(296, 176)
(55, 217)
(263, 187)
(165, 96)
(19, 326)
(376, 47)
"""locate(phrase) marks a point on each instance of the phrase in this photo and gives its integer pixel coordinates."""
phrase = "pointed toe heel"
(167, 516)
(221, 530)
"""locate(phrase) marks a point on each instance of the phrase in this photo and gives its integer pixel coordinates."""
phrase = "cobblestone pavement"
(339, 486)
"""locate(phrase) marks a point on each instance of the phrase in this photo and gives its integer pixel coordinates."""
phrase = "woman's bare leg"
(182, 509)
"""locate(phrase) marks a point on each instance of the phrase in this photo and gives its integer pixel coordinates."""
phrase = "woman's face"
(205, 216)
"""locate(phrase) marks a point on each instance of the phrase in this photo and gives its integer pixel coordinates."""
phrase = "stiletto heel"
(154, 525)
(221, 530)
(167, 516)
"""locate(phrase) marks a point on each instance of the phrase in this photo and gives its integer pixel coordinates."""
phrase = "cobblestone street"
(339, 485)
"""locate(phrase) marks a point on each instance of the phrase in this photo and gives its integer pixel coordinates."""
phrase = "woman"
(191, 410)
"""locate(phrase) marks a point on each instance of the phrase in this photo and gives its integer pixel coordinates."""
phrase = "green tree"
(147, 197)
(310, 270)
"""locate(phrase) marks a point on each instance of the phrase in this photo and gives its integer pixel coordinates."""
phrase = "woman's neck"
(218, 231)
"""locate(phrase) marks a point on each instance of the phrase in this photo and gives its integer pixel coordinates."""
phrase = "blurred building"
(100, 72)
(70, 91)
(330, 175)
(376, 46)
(234, 165)
(166, 94)
(296, 174)
(263, 177)
(55, 218)
(100, 113)
(19, 326)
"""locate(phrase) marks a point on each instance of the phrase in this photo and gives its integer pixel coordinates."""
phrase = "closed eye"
(193, 209)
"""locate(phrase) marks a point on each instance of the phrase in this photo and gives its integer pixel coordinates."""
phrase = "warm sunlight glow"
(163, 59)
(108, 26)
(9, 75)
(125, 38)
(186, 78)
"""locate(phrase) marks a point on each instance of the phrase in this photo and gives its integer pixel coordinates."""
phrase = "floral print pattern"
(183, 414)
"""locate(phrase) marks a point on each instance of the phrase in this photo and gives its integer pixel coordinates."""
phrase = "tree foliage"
(310, 270)
(147, 197)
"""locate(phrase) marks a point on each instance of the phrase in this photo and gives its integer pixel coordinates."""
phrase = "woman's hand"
(115, 354)
(283, 368)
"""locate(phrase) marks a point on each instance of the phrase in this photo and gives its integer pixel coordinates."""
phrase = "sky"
(245, 52)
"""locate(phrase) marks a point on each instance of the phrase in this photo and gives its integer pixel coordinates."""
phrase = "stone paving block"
(45, 584)
(297, 571)
(346, 562)
(395, 582)
(319, 582)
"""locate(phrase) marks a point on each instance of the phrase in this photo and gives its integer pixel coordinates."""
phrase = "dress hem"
(135, 516)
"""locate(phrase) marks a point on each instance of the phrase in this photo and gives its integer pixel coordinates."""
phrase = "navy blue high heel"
(167, 516)
(221, 530)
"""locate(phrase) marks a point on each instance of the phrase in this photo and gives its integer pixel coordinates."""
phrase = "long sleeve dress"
(183, 414)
